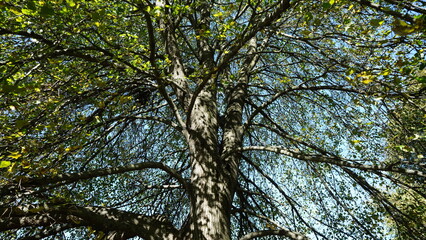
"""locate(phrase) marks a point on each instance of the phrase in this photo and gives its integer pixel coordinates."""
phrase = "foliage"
(407, 142)
(211, 119)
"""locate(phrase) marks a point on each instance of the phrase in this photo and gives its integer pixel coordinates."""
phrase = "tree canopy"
(226, 119)
(406, 138)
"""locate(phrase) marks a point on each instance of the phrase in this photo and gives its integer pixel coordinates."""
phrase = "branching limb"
(386, 10)
(282, 6)
(281, 231)
(290, 201)
(99, 218)
(54, 230)
(342, 162)
(278, 232)
(73, 177)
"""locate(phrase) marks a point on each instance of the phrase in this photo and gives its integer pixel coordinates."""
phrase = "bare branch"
(281, 231)
(252, 31)
(342, 162)
(73, 177)
(385, 10)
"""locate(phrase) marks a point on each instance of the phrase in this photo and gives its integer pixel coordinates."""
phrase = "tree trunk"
(215, 169)
(210, 193)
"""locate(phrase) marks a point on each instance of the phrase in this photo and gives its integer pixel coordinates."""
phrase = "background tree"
(406, 137)
(204, 119)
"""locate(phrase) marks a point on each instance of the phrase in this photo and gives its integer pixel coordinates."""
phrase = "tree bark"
(209, 193)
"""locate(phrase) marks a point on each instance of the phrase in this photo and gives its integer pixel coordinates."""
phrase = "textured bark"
(117, 224)
(214, 167)
(210, 217)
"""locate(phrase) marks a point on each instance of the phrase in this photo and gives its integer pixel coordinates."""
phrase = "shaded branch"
(278, 232)
(54, 230)
(385, 10)
(73, 177)
(99, 218)
(282, 231)
(76, 52)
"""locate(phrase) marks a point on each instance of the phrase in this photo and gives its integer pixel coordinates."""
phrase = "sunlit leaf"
(367, 81)
(5, 164)
(15, 155)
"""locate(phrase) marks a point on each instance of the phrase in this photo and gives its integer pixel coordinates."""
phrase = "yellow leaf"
(219, 14)
(5, 164)
(72, 148)
(366, 81)
(365, 77)
(124, 99)
(15, 11)
(11, 168)
(15, 155)
(71, 3)
(386, 72)
(25, 164)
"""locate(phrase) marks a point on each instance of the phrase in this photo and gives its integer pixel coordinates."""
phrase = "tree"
(203, 119)
(406, 137)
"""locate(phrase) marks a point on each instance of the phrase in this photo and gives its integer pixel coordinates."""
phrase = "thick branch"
(47, 232)
(8, 223)
(278, 232)
(99, 218)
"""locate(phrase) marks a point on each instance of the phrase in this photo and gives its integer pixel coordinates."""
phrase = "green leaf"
(402, 28)
(21, 123)
(326, 5)
(46, 10)
(421, 79)
(27, 11)
(5, 164)
(358, 148)
(31, 5)
(71, 3)
(376, 22)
